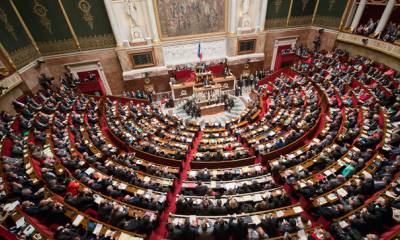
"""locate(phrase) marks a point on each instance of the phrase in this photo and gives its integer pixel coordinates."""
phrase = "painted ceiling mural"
(14, 39)
(302, 12)
(329, 13)
(47, 24)
(55, 26)
(277, 13)
(90, 23)
(61, 26)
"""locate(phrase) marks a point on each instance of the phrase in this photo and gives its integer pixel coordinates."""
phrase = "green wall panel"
(302, 12)
(277, 12)
(12, 33)
(47, 25)
(90, 22)
(13, 36)
(329, 13)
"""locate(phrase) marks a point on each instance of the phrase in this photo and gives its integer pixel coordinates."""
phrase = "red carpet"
(161, 231)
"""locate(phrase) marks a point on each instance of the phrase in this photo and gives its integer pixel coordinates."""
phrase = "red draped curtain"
(217, 69)
(182, 74)
(91, 87)
(280, 58)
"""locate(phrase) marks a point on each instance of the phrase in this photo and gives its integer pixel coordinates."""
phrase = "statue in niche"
(136, 31)
(246, 20)
(245, 7)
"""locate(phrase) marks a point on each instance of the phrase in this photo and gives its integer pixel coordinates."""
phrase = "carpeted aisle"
(161, 231)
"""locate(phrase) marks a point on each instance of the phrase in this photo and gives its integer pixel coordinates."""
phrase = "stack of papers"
(78, 219)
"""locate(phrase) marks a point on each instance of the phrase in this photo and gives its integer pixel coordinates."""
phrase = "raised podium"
(207, 94)
(208, 98)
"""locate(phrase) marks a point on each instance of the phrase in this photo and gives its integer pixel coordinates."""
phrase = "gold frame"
(315, 12)
(192, 36)
(9, 67)
(345, 14)
(133, 53)
(71, 29)
(249, 51)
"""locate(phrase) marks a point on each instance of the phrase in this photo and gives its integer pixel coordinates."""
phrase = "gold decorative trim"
(41, 11)
(374, 44)
(246, 40)
(345, 13)
(97, 41)
(326, 21)
(275, 23)
(300, 20)
(150, 51)
(11, 82)
(71, 29)
(24, 26)
(85, 8)
(57, 46)
(7, 55)
(23, 56)
(9, 28)
(289, 13)
(315, 11)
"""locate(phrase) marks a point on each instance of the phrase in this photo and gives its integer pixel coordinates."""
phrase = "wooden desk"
(212, 109)
(182, 90)
(227, 83)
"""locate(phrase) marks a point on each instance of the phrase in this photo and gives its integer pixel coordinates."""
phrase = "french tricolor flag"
(199, 53)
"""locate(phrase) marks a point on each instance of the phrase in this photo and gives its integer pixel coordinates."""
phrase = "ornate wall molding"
(56, 47)
(10, 82)
(84, 66)
(41, 11)
(97, 41)
(187, 53)
(7, 25)
(327, 21)
(141, 73)
(24, 56)
(381, 46)
(85, 7)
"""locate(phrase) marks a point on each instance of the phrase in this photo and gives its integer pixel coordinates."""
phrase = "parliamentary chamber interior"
(200, 119)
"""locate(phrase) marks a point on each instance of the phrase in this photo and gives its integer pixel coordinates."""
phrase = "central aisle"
(161, 231)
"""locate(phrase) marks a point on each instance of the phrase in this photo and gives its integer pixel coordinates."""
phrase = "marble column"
(153, 23)
(385, 16)
(359, 13)
(261, 20)
(233, 16)
(113, 21)
(351, 14)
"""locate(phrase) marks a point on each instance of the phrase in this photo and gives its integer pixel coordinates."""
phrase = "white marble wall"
(122, 22)
(184, 51)
(187, 52)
